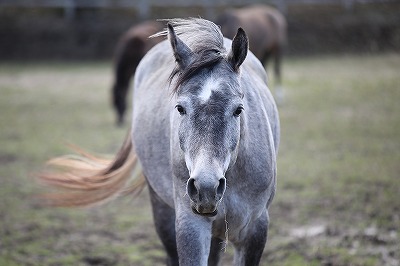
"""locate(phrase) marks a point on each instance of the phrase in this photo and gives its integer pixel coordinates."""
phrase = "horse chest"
(238, 213)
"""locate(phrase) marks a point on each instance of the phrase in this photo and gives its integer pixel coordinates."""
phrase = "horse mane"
(206, 41)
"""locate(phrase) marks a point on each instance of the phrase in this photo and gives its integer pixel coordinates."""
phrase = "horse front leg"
(193, 238)
(249, 251)
(216, 250)
(164, 221)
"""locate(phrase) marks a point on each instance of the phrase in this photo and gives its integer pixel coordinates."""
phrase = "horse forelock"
(205, 40)
(205, 60)
(196, 33)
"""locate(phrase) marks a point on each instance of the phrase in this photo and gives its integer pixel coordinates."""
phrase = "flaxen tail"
(85, 179)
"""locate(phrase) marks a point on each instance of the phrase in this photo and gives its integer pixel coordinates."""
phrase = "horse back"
(135, 43)
(256, 19)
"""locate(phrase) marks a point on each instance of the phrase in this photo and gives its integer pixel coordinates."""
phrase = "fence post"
(281, 6)
(210, 9)
(144, 9)
(348, 4)
(70, 10)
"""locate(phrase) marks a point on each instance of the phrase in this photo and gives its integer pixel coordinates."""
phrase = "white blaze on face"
(199, 163)
(202, 162)
(209, 86)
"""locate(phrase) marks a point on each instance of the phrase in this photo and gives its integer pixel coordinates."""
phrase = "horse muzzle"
(205, 195)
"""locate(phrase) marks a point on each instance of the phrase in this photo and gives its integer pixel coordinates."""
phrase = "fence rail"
(88, 29)
(144, 6)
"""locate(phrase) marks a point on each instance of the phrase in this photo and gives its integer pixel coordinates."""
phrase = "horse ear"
(182, 52)
(240, 46)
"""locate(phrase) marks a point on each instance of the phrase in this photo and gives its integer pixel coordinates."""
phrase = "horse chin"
(206, 214)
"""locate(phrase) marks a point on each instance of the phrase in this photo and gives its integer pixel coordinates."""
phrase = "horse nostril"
(192, 190)
(221, 188)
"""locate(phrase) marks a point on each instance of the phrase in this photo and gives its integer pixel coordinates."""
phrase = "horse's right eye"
(180, 109)
(238, 111)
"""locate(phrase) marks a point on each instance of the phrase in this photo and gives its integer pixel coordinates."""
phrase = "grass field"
(338, 199)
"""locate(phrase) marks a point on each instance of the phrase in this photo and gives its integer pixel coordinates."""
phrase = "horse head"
(206, 124)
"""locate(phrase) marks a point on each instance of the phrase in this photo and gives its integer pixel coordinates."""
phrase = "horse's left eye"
(180, 109)
(238, 111)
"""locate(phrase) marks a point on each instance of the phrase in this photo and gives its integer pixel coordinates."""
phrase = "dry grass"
(337, 200)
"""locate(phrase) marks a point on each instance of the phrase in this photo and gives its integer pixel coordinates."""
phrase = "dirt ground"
(338, 191)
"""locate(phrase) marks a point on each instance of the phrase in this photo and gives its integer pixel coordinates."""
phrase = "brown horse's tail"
(86, 179)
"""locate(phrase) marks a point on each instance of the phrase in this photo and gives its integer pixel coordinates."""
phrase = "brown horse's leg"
(123, 74)
(119, 94)
(277, 73)
(264, 60)
(277, 65)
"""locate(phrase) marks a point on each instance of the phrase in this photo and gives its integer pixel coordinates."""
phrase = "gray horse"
(206, 132)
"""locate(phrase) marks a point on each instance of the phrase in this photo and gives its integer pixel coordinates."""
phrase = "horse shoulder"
(150, 122)
(258, 91)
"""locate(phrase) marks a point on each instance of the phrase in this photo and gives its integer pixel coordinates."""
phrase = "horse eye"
(180, 109)
(238, 111)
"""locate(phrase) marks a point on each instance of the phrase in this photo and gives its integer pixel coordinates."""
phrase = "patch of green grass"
(340, 128)
(8, 262)
(341, 256)
(339, 153)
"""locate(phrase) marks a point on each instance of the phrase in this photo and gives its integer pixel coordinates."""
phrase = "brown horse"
(266, 29)
(131, 48)
(264, 25)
